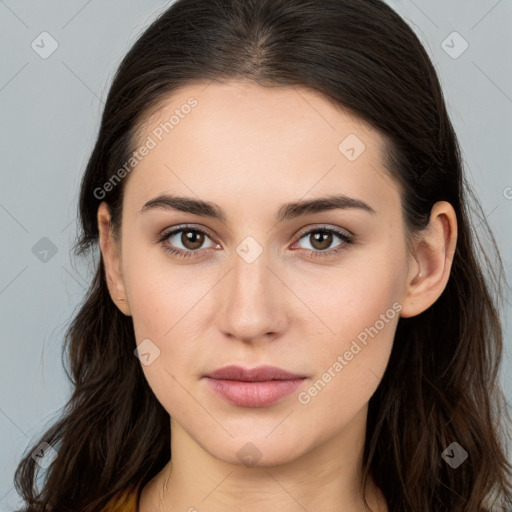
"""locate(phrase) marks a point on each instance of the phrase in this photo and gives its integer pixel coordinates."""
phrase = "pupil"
(326, 242)
(189, 239)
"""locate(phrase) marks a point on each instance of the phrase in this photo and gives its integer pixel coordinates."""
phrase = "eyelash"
(347, 240)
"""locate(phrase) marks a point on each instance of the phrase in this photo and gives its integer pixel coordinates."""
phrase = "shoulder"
(123, 502)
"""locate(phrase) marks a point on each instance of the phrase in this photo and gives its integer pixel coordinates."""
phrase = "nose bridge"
(250, 276)
(249, 303)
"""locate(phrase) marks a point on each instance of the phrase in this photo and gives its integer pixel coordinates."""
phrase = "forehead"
(240, 138)
(243, 108)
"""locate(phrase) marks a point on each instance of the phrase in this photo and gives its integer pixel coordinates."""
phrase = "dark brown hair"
(441, 384)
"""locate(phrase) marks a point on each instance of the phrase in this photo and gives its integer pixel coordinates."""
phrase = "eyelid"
(184, 227)
(326, 227)
(168, 232)
(344, 234)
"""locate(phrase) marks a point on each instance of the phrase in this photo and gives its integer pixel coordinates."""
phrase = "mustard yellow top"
(125, 502)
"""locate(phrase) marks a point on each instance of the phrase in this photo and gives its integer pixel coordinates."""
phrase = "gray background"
(50, 115)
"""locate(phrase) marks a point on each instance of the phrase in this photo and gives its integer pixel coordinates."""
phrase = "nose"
(254, 300)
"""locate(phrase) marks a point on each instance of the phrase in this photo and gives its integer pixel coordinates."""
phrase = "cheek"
(162, 304)
(163, 296)
(353, 297)
(359, 312)
(350, 366)
(164, 315)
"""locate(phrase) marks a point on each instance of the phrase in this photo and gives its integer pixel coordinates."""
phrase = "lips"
(256, 387)
(259, 374)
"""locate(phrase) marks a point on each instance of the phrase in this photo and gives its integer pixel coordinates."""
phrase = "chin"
(255, 451)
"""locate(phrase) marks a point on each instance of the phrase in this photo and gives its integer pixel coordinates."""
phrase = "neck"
(328, 477)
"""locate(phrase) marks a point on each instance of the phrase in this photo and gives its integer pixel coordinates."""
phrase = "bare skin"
(249, 150)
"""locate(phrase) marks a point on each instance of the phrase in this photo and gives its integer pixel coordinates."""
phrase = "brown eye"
(192, 239)
(185, 241)
(321, 240)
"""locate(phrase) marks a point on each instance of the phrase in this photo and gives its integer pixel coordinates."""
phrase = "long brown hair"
(441, 384)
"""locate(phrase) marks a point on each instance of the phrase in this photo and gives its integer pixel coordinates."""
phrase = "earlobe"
(432, 261)
(110, 253)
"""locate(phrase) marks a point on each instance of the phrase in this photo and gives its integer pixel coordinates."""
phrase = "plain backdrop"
(50, 106)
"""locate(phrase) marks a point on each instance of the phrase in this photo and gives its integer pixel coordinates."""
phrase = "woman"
(356, 372)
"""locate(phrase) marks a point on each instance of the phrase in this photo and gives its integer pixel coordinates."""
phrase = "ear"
(111, 254)
(431, 261)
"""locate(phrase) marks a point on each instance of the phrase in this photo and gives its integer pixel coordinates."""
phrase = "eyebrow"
(287, 211)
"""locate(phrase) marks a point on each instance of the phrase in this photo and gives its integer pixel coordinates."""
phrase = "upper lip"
(258, 374)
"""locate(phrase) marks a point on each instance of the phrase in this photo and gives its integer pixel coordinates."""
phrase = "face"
(316, 292)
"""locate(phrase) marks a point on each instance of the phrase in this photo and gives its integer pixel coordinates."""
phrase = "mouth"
(258, 374)
(256, 387)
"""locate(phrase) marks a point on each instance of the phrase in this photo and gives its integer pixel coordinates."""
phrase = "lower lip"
(253, 394)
